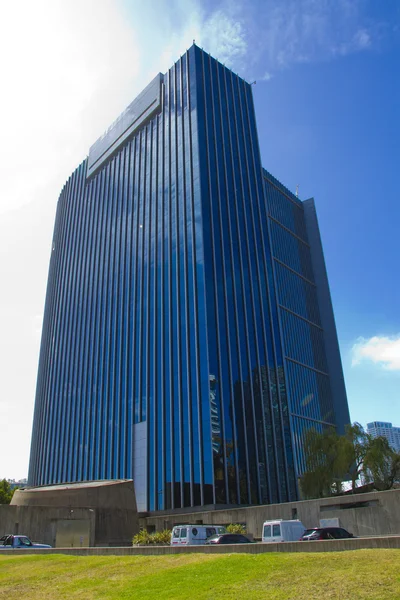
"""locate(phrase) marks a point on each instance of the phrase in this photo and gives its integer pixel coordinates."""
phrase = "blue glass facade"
(305, 341)
(181, 331)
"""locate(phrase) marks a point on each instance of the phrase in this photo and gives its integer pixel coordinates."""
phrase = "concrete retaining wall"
(109, 523)
(323, 546)
(373, 513)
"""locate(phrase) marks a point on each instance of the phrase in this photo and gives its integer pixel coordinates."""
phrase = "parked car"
(325, 533)
(228, 538)
(19, 542)
(282, 531)
(194, 535)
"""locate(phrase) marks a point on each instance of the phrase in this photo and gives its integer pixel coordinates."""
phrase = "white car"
(282, 531)
(194, 535)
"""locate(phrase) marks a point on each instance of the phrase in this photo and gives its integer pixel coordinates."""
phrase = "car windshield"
(310, 531)
(213, 537)
(24, 541)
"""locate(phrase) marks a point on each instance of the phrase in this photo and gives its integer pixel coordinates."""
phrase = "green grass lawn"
(342, 575)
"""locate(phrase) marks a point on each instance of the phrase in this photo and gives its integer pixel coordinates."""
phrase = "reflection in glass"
(181, 299)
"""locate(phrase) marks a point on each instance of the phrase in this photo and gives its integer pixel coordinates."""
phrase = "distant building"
(386, 430)
(17, 483)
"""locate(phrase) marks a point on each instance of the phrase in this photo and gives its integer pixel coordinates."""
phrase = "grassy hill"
(342, 575)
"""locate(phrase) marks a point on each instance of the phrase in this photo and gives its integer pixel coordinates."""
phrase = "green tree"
(354, 447)
(332, 459)
(381, 464)
(324, 464)
(6, 493)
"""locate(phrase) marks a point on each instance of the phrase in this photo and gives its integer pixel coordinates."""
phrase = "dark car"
(325, 533)
(228, 538)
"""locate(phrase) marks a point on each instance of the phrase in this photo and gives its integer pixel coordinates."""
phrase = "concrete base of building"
(103, 513)
(373, 513)
(96, 513)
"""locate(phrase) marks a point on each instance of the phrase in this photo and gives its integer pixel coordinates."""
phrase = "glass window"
(176, 533)
(227, 539)
(183, 532)
(284, 207)
(342, 533)
(276, 530)
(24, 541)
(210, 531)
(221, 529)
(291, 251)
(267, 531)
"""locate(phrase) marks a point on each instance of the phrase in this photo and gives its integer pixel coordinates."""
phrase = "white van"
(194, 535)
(282, 531)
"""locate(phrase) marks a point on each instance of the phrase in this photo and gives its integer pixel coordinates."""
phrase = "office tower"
(315, 383)
(164, 351)
(386, 430)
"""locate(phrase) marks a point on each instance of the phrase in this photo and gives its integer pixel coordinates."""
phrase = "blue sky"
(332, 126)
(328, 109)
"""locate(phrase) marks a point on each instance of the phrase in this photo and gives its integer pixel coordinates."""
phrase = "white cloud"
(225, 38)
(259, 38)
(381, 350)
(266, 77)
(362, 39)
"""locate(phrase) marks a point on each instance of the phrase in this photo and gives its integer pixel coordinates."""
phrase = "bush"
(158, 538)
(236, 528)
(161, 537)
(143, 537)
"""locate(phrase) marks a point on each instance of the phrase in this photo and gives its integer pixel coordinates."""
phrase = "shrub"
(143, 537)
(146, 538)
(161, 537)
(236, 528)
